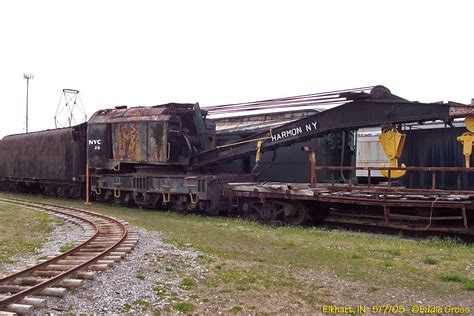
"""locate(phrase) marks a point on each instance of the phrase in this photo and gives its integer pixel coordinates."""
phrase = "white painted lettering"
(289, 133)
(95, 142)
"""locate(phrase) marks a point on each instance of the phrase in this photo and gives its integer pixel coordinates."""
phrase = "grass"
(22, 231)
(282, 265)
(245, 279)
(468, 285)
(66, 247)
(187, 283)
(430, 261)
(184, 307)
(451, 277)
(236, 309)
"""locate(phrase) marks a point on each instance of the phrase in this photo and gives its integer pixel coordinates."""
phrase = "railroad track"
(105, 241)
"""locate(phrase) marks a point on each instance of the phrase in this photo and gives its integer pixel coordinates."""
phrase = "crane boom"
(379, 108)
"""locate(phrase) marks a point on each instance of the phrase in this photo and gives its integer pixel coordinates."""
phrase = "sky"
(216, 52)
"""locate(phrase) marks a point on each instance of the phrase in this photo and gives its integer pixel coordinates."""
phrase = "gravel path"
(62, 234)
(153, 277)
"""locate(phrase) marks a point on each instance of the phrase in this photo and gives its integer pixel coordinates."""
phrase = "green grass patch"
(22, 231)
(187, 283)
(141, 304)
(236, 309)
(451, 277)
(468, 285)
(66, 247)
(394, 252)
(184, 307)
(430, 261)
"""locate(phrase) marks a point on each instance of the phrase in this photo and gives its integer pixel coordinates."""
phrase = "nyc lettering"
(96, 143)
(295, 131)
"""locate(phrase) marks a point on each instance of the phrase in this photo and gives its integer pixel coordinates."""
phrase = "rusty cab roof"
(142, 113)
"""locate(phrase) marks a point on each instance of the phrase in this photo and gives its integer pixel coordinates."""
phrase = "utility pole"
(27, 77)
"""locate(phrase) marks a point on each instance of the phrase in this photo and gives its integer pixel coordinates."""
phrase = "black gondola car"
(52, 162)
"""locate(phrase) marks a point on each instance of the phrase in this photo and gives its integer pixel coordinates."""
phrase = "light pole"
(27, 77)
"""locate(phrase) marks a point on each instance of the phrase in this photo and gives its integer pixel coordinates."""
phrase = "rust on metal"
(128, 140)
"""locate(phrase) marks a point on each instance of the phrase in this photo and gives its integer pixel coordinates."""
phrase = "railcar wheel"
(318, 212)
(76, 192)
(180, 203)
(249, 209)
(61, 192)
(297, 214)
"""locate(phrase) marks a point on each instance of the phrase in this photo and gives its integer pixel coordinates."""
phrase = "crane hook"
(392, 142)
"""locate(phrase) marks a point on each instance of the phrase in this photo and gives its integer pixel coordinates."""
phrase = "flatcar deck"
(442, 210)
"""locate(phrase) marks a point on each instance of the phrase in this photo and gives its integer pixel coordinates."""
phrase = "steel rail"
(49, 282)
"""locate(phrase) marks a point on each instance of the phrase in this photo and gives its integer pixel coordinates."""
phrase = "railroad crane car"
(142, 155)
(165, 156)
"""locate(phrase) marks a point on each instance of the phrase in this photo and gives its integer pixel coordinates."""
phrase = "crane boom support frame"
(353, 115)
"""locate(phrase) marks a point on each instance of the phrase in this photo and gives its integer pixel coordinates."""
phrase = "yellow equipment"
(258, 154)
(392, 142)
(467, 139)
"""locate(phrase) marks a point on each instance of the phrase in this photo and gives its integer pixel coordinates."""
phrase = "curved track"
(104, 242)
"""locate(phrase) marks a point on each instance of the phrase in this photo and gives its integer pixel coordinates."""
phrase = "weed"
(394, 252)
(468, 285)
(451, 277)
(372, 289)
(356, 256)
(446, 242)
(387, 264)
(187, 283)
(141, 277)
(430, 261)
(184, 307)
(126, 308)
(58, 221)
(66, 247)
(236, 309)
(143, 305)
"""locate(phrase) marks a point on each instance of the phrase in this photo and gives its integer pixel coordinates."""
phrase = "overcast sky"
(214, 52)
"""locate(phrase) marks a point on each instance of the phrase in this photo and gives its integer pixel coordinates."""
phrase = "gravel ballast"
(153, 277)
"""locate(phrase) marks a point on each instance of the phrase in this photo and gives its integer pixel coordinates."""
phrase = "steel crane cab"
(123, 139)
